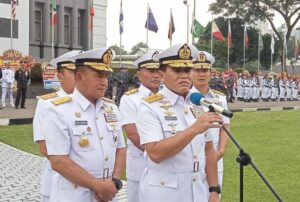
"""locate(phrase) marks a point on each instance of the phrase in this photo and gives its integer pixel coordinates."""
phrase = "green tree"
(138, 45)
(118, 50)
(252, 10)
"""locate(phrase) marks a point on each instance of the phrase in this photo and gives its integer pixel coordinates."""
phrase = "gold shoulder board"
(154, 97)
(218, 92)
(132, 91)
(61, 100)
(49, 96)
(108, 100)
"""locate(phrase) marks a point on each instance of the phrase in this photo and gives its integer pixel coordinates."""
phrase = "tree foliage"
(253, 10)
(138, 45)
(118, 50)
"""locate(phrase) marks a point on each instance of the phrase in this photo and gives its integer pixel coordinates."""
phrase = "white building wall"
(99, 30)
(22, 43)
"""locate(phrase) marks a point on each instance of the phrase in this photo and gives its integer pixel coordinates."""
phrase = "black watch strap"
(215, 189)
(118, 183)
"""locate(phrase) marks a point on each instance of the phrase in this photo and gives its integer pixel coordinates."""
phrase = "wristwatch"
(215, 189)
(118, 183)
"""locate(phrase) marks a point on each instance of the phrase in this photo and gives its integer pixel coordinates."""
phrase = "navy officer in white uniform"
(150, 77)
(84, 138)
(201, 76)
(172, 131)
(66, 76)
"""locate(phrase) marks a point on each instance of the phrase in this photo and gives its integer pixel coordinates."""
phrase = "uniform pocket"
(168, 180)
(82, 138)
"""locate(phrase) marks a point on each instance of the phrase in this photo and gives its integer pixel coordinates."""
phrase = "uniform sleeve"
(38, 121)
(121, 141)
(128, 111)
(56, 133)
(148, 125)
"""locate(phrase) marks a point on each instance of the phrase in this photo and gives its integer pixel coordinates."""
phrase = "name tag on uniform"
(110, 117)
(170, 118)
(81, 123)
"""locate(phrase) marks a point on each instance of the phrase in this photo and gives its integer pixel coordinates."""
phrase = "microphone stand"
(244, 159)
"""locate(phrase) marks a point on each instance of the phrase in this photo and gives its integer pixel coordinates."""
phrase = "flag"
(54, 12)
(171, 27)
(197, 29)
(92, 13)
(260, 42)
(246, 38)
(216, 32)
(121, 18)
(14, 9)
(229, 35)
(152, 26)
(272, 44)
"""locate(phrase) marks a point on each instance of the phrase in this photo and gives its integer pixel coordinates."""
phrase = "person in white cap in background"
(201, 76)
(172, 131)
(150, 77)
(8, 77)
(66, 76)
(84, 137)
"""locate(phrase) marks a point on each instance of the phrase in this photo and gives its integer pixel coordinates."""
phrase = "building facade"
(20, 33)
(75, 28)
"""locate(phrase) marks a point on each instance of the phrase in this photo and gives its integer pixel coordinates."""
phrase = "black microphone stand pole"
(244, 159)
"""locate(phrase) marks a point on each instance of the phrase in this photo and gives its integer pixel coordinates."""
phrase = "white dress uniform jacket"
(8, 77)
(38, 125)
(89, 134)
(135, 161)
(181, 177)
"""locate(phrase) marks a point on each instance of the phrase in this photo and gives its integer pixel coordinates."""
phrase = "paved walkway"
(20, 175)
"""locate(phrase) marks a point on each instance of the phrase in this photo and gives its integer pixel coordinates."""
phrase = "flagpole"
(11, 24)
(211, 37)
(171, 38)
(228, 42)
(194, 16)
(258, 50)
(244, 46)
(147, 26)
(187, 22)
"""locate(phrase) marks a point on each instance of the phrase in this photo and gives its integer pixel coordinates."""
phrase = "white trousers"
(6, 90)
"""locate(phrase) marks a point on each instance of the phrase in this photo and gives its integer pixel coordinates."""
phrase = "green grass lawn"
(271, 138)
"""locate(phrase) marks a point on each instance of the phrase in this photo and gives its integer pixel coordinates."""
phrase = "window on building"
(38, 25)
(5, 26)
(5, 1)
(67, 30)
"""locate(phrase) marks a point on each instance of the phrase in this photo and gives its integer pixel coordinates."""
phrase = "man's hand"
(207, 120)
(214, 197)
(105, 190)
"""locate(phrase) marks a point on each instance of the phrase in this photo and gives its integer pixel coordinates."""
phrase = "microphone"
(199, 99)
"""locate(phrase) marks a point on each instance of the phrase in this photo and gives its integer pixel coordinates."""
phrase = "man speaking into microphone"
(201, 75)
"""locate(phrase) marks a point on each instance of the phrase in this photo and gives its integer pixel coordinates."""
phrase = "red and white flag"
(229, 35)
(246, 38)
(14, 9)
(216, 32)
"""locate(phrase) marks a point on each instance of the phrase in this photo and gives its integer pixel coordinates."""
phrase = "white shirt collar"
(174, 98)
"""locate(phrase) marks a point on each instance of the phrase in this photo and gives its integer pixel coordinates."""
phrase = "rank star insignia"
(84, 141)
(77, 114)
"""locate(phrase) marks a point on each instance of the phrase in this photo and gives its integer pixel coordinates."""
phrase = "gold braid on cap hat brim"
(202, 65)
(99, 66)
(70, 66)
(178, 63)
(152, 65)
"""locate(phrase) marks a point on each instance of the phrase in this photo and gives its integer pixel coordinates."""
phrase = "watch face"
(215, 189)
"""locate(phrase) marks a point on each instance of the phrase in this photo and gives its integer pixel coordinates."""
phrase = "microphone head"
(195, 98)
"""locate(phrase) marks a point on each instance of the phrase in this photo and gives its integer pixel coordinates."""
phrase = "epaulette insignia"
(218, 92)
(132, 91)
(108, 100)
(61, 100)
(154, 97)
(48, 96)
